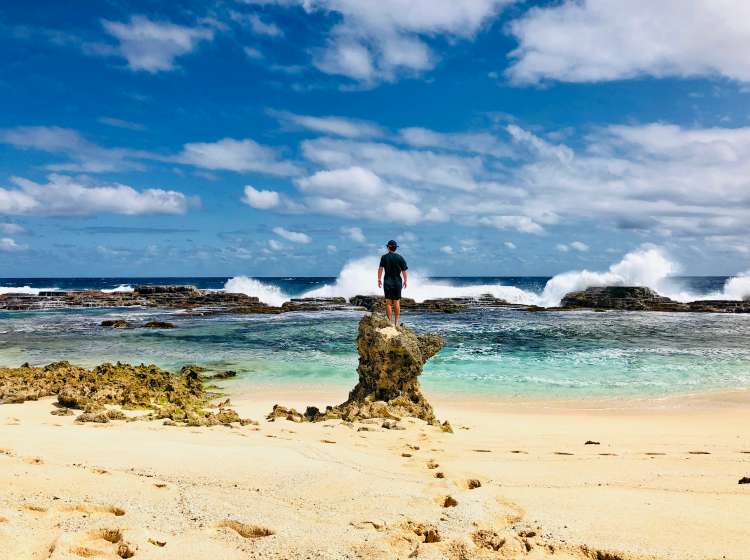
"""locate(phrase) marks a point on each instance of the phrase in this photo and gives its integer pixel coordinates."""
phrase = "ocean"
(489, 352)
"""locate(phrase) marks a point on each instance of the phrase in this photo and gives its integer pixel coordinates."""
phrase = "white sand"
(328, 491)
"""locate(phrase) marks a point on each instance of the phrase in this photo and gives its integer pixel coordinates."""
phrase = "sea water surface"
(490, 352)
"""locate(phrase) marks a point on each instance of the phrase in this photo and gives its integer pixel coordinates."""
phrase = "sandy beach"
(514, 480)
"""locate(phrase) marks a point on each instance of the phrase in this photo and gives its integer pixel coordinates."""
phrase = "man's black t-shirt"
(393, 263)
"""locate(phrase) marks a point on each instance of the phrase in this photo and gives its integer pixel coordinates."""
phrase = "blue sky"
(287, 137)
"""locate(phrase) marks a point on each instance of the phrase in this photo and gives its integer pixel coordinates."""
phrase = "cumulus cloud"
(375, 41)
(601, 40)
(447, 249)
(355, 234)
(153, 46)
(509, 245)
(236, 155)
(9, 245)
(524, 224)
(260, 199)
(68, 196)
(293, 236)
(275, 245)
(338, 126)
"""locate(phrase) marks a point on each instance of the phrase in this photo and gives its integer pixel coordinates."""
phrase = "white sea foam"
(272, 295)
(644, 267)
(649, 267)
(23, 290)
(122, 288)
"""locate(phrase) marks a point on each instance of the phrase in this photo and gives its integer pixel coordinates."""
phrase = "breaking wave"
(267, 293)
(23, 290)
(122, 288)
(649, 267)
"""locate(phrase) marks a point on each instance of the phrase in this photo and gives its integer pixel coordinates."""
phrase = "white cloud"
(563, 248)
(86, 157)
(275, 245)
(420, 166)
(11, 229)
(339, 126)
(579, 246)
(331, 248)
(67, 196)
(477, 142)
(9, 245)
(510, 245)
(447, 249)
(376, 41)
(257, 24)
(293, 236)
(153, 46)
(355, 234)
(600, 40)
(523, 224)
(260, 199)
(236, 155)
(352, 182)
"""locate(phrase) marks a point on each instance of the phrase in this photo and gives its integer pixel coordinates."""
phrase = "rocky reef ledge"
(120, 392)
(638, 298)
(207, 302)
(390, 363)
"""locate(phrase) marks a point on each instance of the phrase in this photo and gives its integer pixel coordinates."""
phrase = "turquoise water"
(489, 352)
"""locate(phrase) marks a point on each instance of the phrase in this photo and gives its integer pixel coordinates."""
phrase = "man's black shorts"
(392, 292)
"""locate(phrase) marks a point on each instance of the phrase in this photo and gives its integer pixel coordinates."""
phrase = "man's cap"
(391, 243)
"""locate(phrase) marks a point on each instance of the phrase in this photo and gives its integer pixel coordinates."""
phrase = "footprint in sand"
(245, 530)
(95, 508)
(447, 501)
(432, 464)
(472, 484)
(33, 461)
(35, 508)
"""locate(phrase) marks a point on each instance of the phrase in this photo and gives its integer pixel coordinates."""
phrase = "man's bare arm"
(403, 273)
(380, 276)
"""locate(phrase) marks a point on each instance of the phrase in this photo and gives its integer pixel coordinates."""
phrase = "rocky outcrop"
(160, 394)
(439, 305)
(638, 298)
(159, 325)
(631, 298)
(390, 363)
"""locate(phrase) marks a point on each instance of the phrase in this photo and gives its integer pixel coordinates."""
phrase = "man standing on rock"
(395, 267)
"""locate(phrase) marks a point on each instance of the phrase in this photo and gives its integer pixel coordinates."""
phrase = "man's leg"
(397, 309)
(388, 309)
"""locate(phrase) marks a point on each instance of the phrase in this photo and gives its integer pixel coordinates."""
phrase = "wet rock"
(638, 298)
(630, 298)
(224, 375)
(115, 323)
(159, 325)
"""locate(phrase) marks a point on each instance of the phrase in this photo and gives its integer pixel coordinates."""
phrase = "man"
(395, 267)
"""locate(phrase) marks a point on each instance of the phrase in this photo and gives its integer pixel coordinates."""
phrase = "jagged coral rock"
(390, 362)
(179, 397)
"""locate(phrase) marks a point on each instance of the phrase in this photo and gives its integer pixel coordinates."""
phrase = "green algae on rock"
(390, 362)
(180, 397)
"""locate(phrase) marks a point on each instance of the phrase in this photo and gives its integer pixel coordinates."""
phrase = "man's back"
(393, 264)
